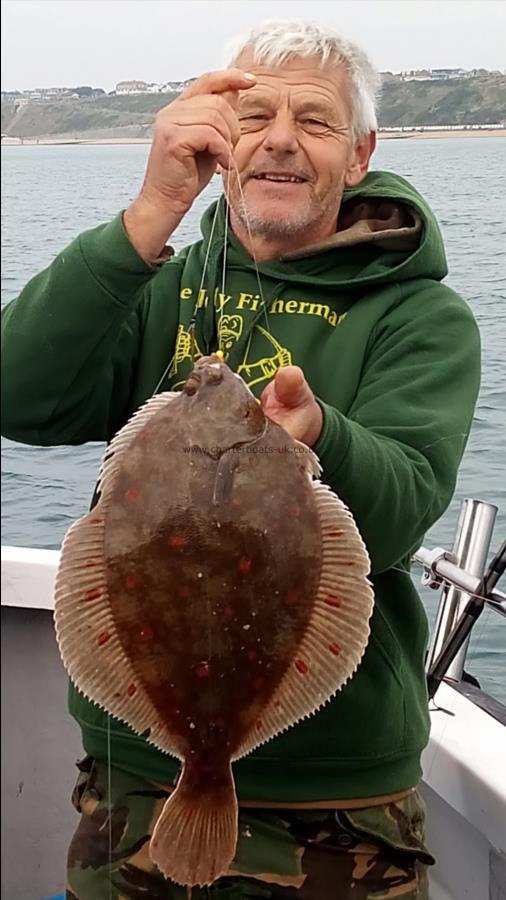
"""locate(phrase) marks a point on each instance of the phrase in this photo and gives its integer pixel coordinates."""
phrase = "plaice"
(216, 595)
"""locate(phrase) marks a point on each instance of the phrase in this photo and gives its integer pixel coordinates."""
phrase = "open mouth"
(279, 179)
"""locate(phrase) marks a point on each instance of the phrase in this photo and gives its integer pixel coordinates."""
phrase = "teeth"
(291, 178)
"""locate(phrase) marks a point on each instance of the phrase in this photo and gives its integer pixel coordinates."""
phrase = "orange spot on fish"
(235, 502)
(244, 566)
(117, 695)
(184, 593)
(335, 649)
(293, 511)
(90, 564)
(132, 581)
(258, 683)
(291, 598)
(301, 666)
(252, 654)
(258, 724)
(177, 541)
(96, 520)
(146, 633)
(333, 601)
(103, 638)
(202, 670)
(335, 534)
(93, 594)
(228, 612)
(131, 690)
(146, 435)
(133, 495)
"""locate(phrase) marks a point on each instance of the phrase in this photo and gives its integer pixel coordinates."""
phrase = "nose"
(281, 136)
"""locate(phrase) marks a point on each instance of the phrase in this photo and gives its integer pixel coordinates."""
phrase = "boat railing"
(468, 587)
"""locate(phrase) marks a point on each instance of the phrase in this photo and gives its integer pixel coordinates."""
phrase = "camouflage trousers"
(376, 853)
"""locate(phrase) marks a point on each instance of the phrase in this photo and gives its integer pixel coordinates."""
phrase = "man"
(329, 303)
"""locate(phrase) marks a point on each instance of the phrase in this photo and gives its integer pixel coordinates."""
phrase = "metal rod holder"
(439, 568)
(469, 553)
(467, 620)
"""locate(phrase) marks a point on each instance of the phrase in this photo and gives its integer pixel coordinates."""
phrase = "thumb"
(291, 387)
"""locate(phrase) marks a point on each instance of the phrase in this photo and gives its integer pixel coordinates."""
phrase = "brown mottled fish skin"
(211, 595)
(212, 552)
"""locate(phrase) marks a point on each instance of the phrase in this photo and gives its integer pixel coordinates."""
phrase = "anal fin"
(337, 633)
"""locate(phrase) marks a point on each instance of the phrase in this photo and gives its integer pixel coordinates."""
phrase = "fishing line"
(232, 163)
(444, 581)
(109, 800)
(250, 235)
(206, 262)
(225, 236)
(192, 321)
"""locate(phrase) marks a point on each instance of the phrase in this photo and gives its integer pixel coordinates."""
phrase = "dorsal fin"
(83, 617)
(125, 435)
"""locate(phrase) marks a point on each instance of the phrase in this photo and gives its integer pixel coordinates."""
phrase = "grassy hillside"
(470, 101)
(474, 101)
(81, 116)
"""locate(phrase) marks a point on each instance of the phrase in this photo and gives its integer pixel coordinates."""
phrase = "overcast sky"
(49, 43)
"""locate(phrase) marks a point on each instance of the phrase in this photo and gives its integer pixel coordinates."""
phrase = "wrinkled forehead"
(297, 78)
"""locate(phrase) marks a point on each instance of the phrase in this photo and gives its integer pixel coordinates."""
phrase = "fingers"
(226, 80)
(207, 110)
(192, 135)
(208, 102)
(208, 139)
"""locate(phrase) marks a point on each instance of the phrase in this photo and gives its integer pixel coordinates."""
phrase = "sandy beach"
(382, 135)
(430, 135)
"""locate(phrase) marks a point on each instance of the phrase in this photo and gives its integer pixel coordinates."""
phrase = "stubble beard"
(272, 225)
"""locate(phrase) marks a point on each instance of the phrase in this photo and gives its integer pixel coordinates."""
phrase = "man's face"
(296, 149)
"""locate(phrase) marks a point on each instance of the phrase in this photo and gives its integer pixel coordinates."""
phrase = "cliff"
(471, 101)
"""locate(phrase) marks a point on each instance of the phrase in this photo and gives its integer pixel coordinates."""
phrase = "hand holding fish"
(192, 135)
(289, 401)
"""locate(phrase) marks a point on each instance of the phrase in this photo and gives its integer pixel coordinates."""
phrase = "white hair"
(276, 41)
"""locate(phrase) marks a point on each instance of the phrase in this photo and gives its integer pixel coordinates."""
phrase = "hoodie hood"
(389, 232)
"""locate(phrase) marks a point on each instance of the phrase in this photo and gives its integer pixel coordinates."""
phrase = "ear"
(359, 162)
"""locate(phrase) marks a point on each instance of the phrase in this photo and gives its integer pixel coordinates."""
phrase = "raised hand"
(193, 135)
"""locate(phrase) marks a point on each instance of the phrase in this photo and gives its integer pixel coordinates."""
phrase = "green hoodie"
(392, 356)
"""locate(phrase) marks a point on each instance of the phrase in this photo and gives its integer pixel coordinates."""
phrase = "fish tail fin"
(194, 840)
